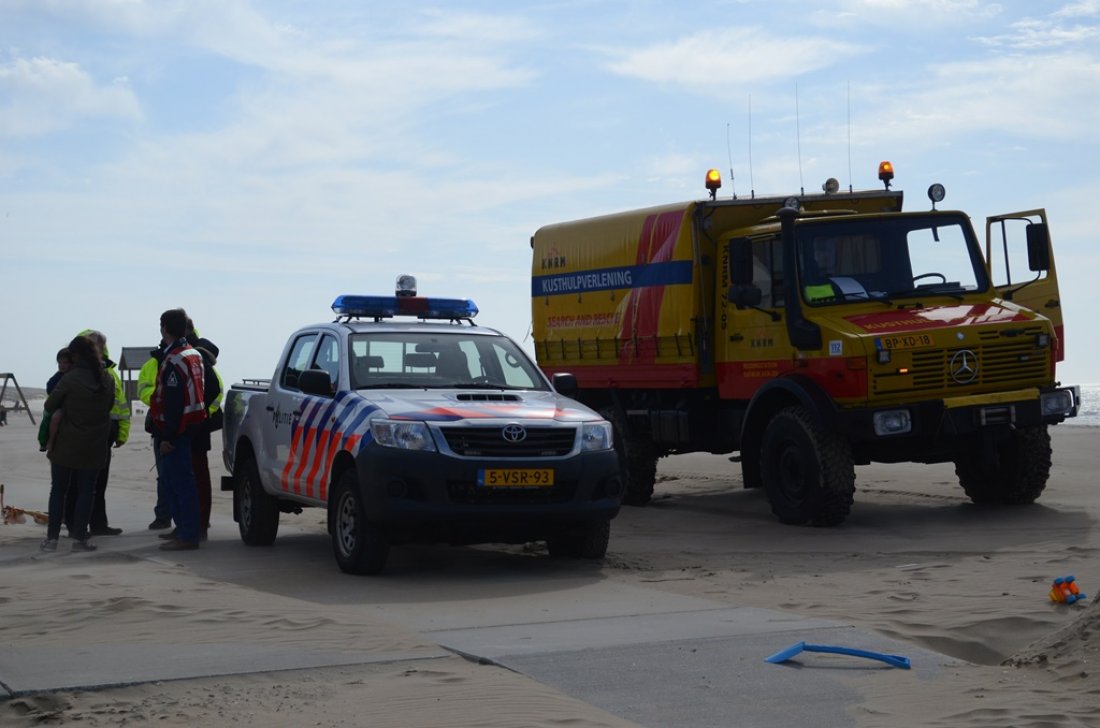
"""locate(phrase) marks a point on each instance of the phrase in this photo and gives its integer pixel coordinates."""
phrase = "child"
(48, 429)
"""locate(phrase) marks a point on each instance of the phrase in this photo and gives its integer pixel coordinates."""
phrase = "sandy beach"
(915, 563)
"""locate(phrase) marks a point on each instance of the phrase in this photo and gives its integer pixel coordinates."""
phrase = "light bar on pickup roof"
(390, 306)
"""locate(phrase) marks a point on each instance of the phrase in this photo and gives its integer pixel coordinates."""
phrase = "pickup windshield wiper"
(392, 385)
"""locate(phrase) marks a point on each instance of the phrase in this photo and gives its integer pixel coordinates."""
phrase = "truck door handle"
(270, 408)
(1054, 303)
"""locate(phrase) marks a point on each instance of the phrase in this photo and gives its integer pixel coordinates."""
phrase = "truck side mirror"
(315, 381)
(740, 261)
(1038, 246)
(745, 295)
(565, 384)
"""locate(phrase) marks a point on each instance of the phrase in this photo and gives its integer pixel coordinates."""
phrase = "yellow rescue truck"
(810, 334)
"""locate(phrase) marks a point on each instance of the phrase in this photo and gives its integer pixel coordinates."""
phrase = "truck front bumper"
(930, 430)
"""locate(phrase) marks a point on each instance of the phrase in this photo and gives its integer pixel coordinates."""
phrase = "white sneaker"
(48, 544)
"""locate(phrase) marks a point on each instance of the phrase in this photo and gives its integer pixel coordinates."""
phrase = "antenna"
(752, 184)
(849, 136)
(729, 153)
(798, 140)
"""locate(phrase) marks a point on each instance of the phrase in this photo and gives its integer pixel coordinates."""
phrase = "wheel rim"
(346, 524)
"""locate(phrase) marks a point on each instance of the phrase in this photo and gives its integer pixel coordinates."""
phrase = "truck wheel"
(359, 546)
(587, 541)
(258, 512)
(808, 473)
(637, 461)
(1020, 474)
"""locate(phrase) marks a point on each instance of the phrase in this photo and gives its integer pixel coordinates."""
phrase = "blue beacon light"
(390, 306)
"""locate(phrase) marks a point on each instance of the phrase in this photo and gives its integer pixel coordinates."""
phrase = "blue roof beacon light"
(380, 307)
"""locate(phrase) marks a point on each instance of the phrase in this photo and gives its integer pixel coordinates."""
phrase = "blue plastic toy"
(892, 660)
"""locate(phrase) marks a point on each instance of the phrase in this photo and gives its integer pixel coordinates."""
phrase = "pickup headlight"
(402, 435)
(596, 436)
(1058, 402)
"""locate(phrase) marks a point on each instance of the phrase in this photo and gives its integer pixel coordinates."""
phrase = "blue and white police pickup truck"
(429, 429)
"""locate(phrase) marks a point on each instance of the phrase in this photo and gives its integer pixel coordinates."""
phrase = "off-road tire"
(257, 512)
(586, 541)
(637, 459)
(1019, 477)
(807, 471)
(360, 547)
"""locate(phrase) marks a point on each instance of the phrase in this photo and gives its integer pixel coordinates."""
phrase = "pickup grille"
(540, 442)
(1014, 363)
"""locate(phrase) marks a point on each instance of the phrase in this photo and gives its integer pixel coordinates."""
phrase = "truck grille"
(1015, 364)
(540, 442)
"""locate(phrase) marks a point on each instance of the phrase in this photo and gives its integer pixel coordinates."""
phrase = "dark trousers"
(98, 518)
(82, 483)
(179, 481)
(200, 464)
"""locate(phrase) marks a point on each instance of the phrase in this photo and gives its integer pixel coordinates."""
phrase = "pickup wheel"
(1019, 475)
(808, 472)
(637, 460)
(585, 541)
(258, 512)
(360, 547)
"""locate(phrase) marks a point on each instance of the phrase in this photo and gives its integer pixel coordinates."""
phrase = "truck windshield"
(432, 360)
(842, 261)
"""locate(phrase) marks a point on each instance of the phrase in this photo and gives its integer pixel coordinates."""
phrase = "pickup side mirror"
(315, 381)
(740, 261)
(1038, 246)
(565, 384)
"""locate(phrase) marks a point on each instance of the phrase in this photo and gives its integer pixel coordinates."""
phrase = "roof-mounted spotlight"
(713, 182)
(831, 186)
(936, 193)
(886, 173)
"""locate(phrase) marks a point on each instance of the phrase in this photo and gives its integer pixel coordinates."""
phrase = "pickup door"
(1014, 274)
(283, 466)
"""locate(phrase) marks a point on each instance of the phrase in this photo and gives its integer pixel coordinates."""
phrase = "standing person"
(119, 433)
(212, 395)
(84, 397)
(200, 443)
(178, 410)
(147, 384)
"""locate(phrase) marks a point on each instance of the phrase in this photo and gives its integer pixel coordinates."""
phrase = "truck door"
(752, 339)
(1015, 274)
(284, 410)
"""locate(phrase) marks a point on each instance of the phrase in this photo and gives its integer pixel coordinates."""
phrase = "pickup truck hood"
(448, 405)
(895, 321)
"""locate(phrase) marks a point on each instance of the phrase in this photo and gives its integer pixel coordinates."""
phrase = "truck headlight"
(596, 436)
(1058, 402)
(402, 435)
(892, 422)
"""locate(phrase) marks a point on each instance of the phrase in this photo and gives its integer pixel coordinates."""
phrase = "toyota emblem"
(513, 433)
(964, 366)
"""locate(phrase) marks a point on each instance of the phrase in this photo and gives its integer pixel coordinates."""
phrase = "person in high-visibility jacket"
(200, 446)
(178, 412)
(98, 524)
(147, 383)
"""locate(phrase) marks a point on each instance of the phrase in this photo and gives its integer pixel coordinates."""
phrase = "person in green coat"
(83, 398)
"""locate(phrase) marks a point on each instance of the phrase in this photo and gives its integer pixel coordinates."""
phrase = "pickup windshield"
(927, 254)
(431, 360)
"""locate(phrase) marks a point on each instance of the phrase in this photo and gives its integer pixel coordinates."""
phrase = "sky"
(250, 161)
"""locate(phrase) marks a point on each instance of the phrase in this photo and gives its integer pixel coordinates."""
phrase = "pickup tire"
(585, 541)
(1019, 475)
(258, 512)
(808, 472)
(637, 459)
(359, 546)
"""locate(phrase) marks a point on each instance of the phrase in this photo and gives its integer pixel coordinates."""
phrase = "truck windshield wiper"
(926, 292)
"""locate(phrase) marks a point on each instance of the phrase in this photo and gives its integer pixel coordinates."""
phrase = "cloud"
(1083, 9)
(1031, 34)
(45, 95)
(714, 60)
